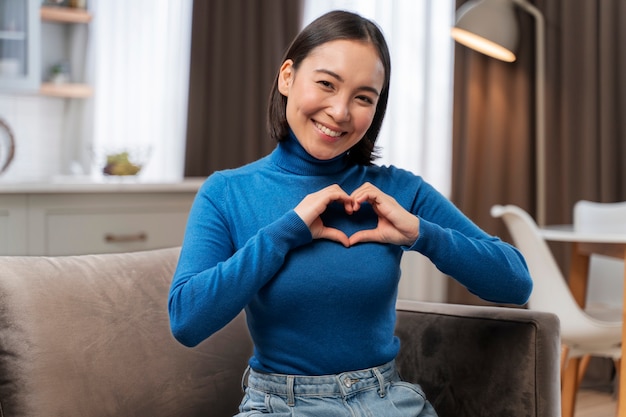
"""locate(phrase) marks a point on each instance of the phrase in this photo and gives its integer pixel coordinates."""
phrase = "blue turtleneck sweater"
(315, 307)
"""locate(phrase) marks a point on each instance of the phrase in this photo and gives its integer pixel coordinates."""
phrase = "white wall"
(38, 129)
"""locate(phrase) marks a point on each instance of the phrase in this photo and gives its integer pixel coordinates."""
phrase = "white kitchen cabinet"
(36, 38)
(93, 218)
(19, 45)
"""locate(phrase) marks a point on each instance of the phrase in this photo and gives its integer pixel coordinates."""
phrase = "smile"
(327, 131)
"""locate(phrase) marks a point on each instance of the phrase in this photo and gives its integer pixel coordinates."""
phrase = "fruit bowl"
(122, 162)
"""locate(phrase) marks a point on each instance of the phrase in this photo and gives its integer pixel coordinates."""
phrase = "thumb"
(369, 235)
(336, 235)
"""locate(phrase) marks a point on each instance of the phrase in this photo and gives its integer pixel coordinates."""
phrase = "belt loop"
(381, 382)
(244, 377)
(291, 401)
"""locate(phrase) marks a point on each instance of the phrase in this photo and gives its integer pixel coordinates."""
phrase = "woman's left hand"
(395, 224)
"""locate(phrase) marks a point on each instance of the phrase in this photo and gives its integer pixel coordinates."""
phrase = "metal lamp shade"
(489, 27)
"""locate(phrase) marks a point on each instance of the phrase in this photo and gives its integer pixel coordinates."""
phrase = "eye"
(326, 84)
(365, 99)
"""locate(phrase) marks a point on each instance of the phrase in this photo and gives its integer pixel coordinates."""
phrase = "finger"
(336, 194)
(313, 205)
(383, 205)
(366, 192)
(348, 206)
(335, 235)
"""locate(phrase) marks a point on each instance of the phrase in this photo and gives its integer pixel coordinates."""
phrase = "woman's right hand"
(313, 205)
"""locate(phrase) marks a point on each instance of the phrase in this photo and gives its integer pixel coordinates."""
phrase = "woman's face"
(332, 97)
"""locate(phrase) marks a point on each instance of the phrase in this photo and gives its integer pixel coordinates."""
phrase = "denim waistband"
(342, 384)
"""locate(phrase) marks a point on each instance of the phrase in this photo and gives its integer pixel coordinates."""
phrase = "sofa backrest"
(89, 336)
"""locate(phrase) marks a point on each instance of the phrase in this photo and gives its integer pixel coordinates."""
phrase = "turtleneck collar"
(292, 157)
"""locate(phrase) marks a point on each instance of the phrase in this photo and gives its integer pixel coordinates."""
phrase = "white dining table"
(584, 243)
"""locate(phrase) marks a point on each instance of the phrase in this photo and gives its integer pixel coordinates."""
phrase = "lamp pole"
(498, 40)
(540, 114)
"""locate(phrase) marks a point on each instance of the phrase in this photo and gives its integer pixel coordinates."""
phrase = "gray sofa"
(88, 336)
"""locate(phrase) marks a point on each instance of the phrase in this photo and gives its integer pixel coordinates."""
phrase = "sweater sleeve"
(487, 266)
(213, 280)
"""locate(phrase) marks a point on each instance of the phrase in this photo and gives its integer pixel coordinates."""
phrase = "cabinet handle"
(137, 237)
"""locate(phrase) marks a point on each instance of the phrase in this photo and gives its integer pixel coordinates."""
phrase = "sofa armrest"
(481, 361)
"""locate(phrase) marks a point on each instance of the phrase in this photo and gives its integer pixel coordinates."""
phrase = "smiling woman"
(291, 237)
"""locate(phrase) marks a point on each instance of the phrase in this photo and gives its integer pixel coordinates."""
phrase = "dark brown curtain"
(236, 49)
(493, 127)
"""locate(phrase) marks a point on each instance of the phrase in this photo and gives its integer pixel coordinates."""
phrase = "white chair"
(606, 275)
(581, 333)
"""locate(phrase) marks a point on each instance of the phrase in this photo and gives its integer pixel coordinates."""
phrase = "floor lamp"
(490, 27)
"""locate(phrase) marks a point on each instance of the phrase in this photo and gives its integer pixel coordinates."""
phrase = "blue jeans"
(374, 392)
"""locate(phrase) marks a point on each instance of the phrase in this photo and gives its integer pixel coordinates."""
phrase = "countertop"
(77, 184)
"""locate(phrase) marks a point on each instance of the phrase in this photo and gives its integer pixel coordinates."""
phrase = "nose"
(339, 109)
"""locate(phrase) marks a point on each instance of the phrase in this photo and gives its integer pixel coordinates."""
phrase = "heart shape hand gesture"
(395, 224)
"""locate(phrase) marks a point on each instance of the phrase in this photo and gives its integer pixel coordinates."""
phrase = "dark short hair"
(332, 26)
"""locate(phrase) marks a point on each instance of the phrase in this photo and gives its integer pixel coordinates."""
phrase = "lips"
(328, 132)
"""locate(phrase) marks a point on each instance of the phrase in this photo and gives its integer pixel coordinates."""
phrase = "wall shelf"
(65, 15)
(69, 90)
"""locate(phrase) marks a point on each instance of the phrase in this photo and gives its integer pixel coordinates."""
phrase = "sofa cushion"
(89, 336)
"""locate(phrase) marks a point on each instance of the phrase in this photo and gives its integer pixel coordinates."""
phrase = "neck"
(292, 157)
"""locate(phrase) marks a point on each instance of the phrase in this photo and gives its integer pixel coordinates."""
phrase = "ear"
(285, 77)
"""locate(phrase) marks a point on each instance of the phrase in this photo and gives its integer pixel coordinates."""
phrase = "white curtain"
(417, 131)
(140, 69)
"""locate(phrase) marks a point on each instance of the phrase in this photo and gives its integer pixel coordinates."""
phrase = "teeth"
(327, 131)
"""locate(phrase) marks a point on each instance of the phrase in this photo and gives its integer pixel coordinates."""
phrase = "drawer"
(12, 225)
(4, 232)
(67, 224)
(98, 232)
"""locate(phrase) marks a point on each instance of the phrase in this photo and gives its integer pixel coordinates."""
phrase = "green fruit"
(119, 164)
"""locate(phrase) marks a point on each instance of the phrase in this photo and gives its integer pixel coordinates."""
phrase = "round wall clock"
(7, 146)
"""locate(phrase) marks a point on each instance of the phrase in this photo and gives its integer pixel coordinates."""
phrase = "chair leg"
(564, 355)
(618, 363)
(569, 387)
(582, 368)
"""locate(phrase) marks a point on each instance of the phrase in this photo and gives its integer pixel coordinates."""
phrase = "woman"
(308, 240)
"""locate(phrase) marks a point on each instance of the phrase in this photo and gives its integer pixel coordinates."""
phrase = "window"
(140, 66)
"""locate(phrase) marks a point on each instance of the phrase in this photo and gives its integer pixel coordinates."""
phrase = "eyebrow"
(339, 78)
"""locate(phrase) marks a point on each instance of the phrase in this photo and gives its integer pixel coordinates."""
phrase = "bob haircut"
(332, 26)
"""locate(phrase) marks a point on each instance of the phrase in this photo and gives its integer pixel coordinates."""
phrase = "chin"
(325, 155)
